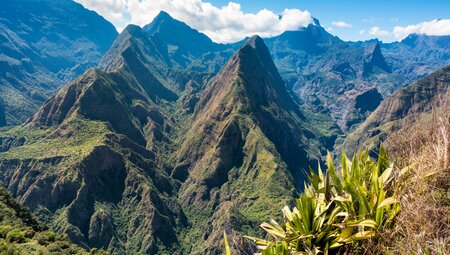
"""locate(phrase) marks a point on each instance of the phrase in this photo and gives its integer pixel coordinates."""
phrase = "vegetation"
(361, 202)
(22, 233)
(423, 225)
(336, 209)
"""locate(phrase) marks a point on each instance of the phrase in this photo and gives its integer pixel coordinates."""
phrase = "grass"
(76, 138)
(423, 225)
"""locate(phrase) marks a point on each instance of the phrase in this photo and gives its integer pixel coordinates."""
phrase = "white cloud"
(376, 31)
(433, 27)
(361, 32)
(225, 24)
(341, 24)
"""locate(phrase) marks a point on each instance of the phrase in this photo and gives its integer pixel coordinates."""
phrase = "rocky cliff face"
(45, 44)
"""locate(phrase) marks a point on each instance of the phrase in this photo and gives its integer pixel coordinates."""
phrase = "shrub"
(16, 236)
(96, 251)
(336, 209)
(54, 247)
(4, 229)
(46, 237)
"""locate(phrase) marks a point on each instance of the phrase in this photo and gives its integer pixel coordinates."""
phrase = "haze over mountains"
(162, 138)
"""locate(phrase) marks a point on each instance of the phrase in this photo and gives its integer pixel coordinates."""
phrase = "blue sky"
(362, 14)
(225, 21)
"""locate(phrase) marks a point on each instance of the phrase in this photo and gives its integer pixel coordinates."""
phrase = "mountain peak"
(132, 30)
(162, 16)
(260, 51)
(131, 42)
(375, 59)
(187, 41)
(316, 22)
(255, 40)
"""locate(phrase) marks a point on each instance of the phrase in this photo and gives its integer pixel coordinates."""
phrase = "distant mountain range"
(172, 138)
(43, 45)
(402, 108)
(317, 66)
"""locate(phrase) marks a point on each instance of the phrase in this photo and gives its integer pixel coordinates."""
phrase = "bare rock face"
(368, 101)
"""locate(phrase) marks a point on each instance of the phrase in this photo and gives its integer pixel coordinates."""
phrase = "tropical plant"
(338, 208)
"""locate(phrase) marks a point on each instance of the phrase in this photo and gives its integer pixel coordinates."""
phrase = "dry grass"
(423, 225)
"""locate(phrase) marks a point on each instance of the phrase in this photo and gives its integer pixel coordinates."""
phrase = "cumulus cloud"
(341, 24)
(361, 32)
(223, 24)
(113, 10)
(433, 27)
(377, 31)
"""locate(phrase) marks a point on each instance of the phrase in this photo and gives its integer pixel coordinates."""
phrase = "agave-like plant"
(337, 208)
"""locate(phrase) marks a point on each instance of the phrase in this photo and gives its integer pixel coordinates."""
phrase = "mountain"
(418, 55)
(375, 60)
(92, 148)
(180, 35)
(112, 158)
(45, 44)
(187, 47)
(163, 145)
(22, 233)
(328, 75)
(401, 108)
(247, 143)
(332, 76)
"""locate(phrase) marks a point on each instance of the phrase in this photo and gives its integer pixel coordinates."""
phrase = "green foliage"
(4, 230)
(337, 209)
(15, 236)
(46, 237)
(22, 233)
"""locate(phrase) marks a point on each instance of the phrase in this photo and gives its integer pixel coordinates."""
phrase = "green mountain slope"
(87, 146)
(244, 150)
(401, 107)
